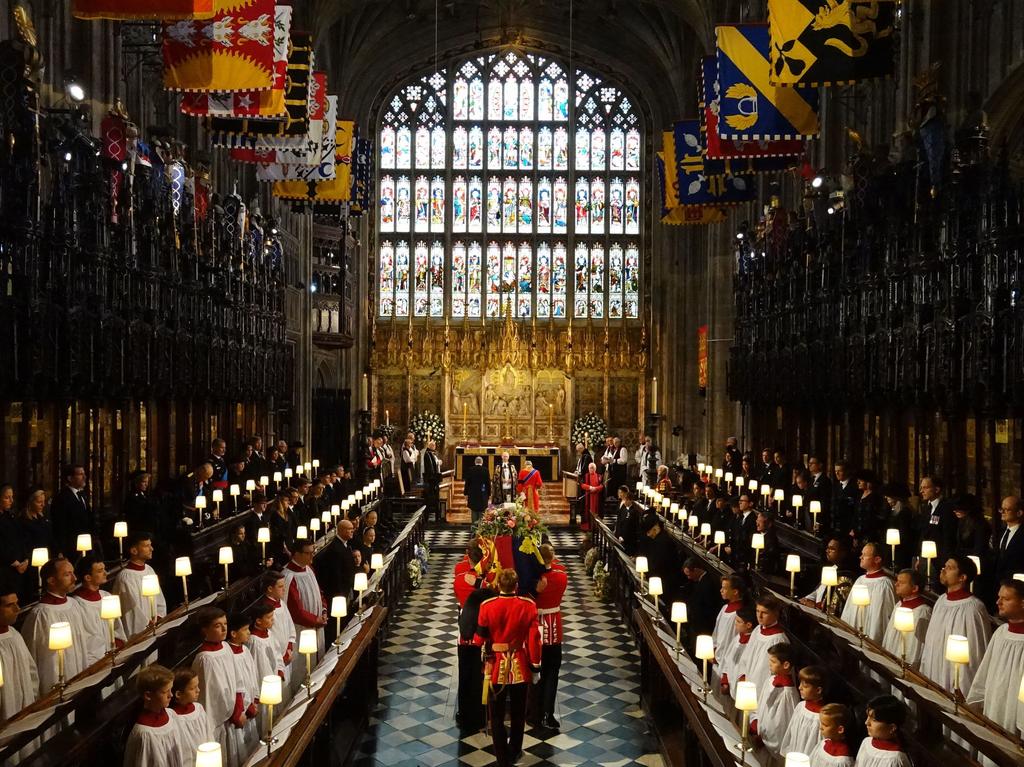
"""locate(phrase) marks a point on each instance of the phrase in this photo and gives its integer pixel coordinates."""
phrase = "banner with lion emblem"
(831, 42)
(750, 108)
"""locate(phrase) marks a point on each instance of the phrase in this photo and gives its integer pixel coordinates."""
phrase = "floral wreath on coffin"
(516, 520)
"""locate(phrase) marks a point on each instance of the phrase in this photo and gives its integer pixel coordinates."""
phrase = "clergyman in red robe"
(530, 484)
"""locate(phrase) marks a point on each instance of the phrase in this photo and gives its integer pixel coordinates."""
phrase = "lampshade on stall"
(830, 575)
(746, 696)
(110, 607)
(150, 585)
(376, 561)
(655, 588)
(339, 607)
(182, 567)
(60, 636)
(705, 649)
(208, 755)
(860, 595)
(792, 563)
(307, 642)
(957, 649)
(270, 690)
(903, 619)
(679, 612)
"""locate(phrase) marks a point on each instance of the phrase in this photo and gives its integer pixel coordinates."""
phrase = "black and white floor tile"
(598, 696)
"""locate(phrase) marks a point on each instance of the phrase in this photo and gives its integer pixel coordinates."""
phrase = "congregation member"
(836, 555)
(135, 608)
(936, 520)
(194, 723)
(71, 514)
(955, 612)
(477, 489)
(899, 516)
(627, 521)
(997, 683)
(156, 740)
(702, 595)
(844, 500)
(662, 558)
(21, 677)
(909, 587)
(13, 552)
(741, 532)
(835, 721)
(873, 618)
(550, 590)
(1008, 541)
(803, 732)
(432, 481)
(471, 591)
(305, 600)
(92, 575)
(54, 606)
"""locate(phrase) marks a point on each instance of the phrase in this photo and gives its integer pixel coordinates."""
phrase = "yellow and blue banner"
(751, 108)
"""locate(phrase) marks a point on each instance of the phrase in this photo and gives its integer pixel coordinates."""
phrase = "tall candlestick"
(654, 394)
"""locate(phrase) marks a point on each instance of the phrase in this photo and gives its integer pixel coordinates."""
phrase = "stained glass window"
(510, 183)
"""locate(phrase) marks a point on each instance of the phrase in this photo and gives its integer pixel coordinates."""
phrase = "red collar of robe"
(814, 706)
(153, 718)
(211, 646)
(955, 596)
(885, 745)
(1015, 628)
(782, 680)
(744, 638)
(236, 648)
(733, 606)
(88, 594)
(912, 602)
(183, 710)
(771, 631)
(275, 602)
(132, 566)
(295, 568)
(875, 574)
(836, 748)
(261, 633)
(52, 599)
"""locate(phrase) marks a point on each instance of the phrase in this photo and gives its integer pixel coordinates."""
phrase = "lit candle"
(958, 652)
(654, 394)
(387, 418)
(365, 393)
(792, 567)
(903, 622)
(655, 589)
(360, 585)
(226, 557)
(60, 640)
(308, 647)
(120, 532)
(705, 650)
(339, 609)
(678, 618)
(208, 755)
(110, 611)
(270, 696)
(183, 569)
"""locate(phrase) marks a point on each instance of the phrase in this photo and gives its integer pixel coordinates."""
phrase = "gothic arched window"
(497, 190)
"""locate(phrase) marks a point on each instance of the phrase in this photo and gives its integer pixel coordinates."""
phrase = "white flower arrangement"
(426, 426)
(589, 429)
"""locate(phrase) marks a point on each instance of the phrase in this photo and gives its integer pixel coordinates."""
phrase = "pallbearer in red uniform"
(508, 625)
(471, 590)
(530, 484)
(592, 486)
(550, 590)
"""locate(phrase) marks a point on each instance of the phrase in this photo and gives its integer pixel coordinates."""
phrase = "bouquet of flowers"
(590, 430)
(388, 430)
(427, 425)
(513, 519)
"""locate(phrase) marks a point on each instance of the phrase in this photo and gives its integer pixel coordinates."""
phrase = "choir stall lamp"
(299, 468)
(757, 544)
(746, 701)
(376, 561)
(250, 485)
(700, 469)
(359, 497)
(903, 622)
(278, 477)
(640, 486)
(739, 483)
(705, 533)
(780, 496)
(792, 567)
(719, 538)
(218, 498)
(692, 522)
(641, 570)
(360, 584)
(307, 647)
(766, 494)
(325, 521)
(673, 510)
(226, 557)
(339, 609)
(316, 466)
(797, 502)
(314, 528)
(234, 491)
(829, 579)
(288, 474)
(151, 588)
(928, 553)
(270, 696)
(861, 598)
(666, 504)
(209, 755)
(892, 540)
(335, 513)
(655, 589)
(679, 618)
(263, 538)
(39, 558)
(200, 504)
(83, 545)
(977, 564)
(60, 640)
(120, 532)
(958, 652)
(752, 486)
(110, 611)
(308, 467)
(815, 508)
(183, 569)
(705, 650)
(302, 533)
(719, 473)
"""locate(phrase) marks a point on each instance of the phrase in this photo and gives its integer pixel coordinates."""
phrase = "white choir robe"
(803, 733)
(725, 627)
(876, 614)
(21, 680)
(218, 687)
(283, 635)
(268, 662)
(753, 664)
(49, 610)
(246, 739)
(965, 616)
(99, 629)
(776, 700)
(310, 603)
(831, 754)
(135, 607)
(881, 753)
(155, 743)
(998, 679)
(893, 640)
(729, 660)
(195, 728)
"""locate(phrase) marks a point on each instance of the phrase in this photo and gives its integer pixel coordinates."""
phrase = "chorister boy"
(882, 748)
(802, 733)
(833, 750)
(733, 592)
(220, 691)
(776, 699)
(193, 721)
(282, 633)
(248, 681)
(744, 621)
(155, 740)
(753, 664)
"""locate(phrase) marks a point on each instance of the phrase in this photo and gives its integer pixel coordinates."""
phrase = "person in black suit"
(71, 514)
(1008, 540)
(844, 499)
(779, 475)
(770, 558)
(765, 467)
(141, 511)
(662, 557)
(703, 597)
(936, 518)
(477, 488)
(627, 522)
(432, 481)
(258, 465)
(260, 517)
(194, 484)
(336, 565)
(741, 531)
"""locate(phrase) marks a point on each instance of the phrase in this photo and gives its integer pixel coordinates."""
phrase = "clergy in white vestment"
(54, 606)
(21, 681)
(156, 739)
(803, 732)
(194, 722)
(282, 631)
(135, 608)
(733, 592)
(753, 664)
(875, 616)
(998, 680)
(835, 723)
(92, 574)
(956, 612)
(882, 747)
(729, 659)
(909, 585)
(305, 600)
(220, 690)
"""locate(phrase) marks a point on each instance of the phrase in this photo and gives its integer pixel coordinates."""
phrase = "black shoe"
(535, 722)
(549, 722)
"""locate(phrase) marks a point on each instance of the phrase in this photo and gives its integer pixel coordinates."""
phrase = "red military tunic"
(591, 482)
(550, 591)
(531, 483)
(508, 626)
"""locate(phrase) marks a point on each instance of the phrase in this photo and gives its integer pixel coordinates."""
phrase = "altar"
(545, 459)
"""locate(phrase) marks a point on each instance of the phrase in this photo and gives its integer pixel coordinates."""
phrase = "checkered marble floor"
(598, 698)
(454, 538)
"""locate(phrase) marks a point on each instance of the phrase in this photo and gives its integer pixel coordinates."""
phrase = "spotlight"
(74, 90)
(739, 235)
(67, 157)
(312, 288)
(274, 230)
(124, 166)
(817, 181)
(831, 210)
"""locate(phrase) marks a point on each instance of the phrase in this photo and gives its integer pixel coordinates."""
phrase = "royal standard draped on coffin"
(514, 535)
